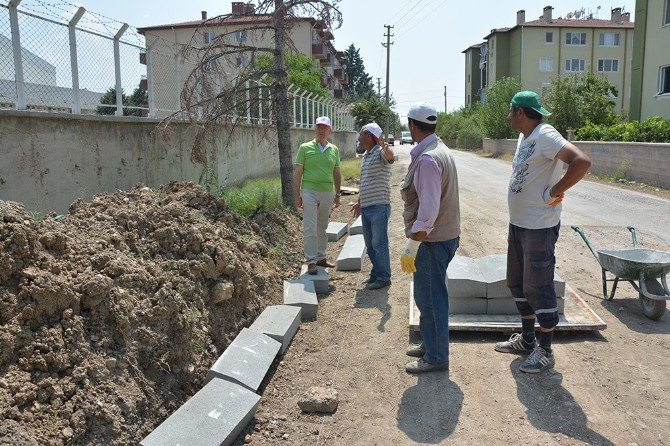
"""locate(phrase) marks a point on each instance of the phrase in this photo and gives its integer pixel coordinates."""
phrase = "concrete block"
(216, 415)
(301, 293)
(352, 255)
(280, 322)
(467, 305)
(465, 278)
(508, 306)
(336, 230)
(356, 227)
(247, 359)
(320, 279)
(494, 271)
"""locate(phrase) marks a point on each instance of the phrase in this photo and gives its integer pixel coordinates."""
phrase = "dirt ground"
(111, 315)
(608, 387)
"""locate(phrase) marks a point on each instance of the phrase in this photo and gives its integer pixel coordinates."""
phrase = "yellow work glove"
(409, 255)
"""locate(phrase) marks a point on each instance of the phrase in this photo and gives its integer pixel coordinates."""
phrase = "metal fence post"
(260, 103)
(76, 98)
(302, 113)
(150, 78)
(248, 106)
(177, 82)
(117, 70)
(18, 58)
(310, 108)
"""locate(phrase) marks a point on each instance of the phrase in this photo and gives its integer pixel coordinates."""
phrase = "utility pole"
(387, 45)
(379, 87)
(445, 99)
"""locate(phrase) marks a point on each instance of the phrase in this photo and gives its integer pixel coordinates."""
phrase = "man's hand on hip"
(408, 255)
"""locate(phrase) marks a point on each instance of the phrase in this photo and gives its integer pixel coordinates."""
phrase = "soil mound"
(111, 315)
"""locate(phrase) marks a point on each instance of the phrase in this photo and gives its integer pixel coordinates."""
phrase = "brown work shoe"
(311, 269)
(326, 263)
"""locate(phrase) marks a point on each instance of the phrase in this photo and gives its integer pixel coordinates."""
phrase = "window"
(241, 62)
(241, 36)
(549, 37)
(546, 65)
(609, 39)
(544, 89)
(209, 37)
(608, 65)
(664, 80)
(493, 44)
(574, 64)
(468, 78)
(666, 19)
(575, 38)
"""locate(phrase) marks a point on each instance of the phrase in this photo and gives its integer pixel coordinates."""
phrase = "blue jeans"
(375, 221)
(432, 298)
(530, 272)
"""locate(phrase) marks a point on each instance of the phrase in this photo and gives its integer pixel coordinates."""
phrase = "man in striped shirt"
(374, 203)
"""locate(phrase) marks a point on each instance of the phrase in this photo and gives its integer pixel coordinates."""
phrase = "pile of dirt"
(111, 316)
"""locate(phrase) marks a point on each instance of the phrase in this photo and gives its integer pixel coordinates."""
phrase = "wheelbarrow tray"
(627, 264)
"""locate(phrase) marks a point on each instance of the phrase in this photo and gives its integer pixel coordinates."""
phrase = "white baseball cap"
(373, 128)
(322, 120)
(423, 113)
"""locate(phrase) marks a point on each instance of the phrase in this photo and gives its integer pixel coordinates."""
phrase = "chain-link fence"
(59, 57)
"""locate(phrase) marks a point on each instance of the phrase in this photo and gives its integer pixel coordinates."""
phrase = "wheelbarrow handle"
(634, 235)
(578, 230)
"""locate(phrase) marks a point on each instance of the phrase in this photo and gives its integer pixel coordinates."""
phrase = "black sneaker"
(515, 344)
(378, 284)
(538, 361)
(369, 280)
(416, 351)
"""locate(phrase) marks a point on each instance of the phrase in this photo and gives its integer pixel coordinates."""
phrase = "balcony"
(340, 74)
(318, 50)
(338, 94)
(143, 58)
(328, 61)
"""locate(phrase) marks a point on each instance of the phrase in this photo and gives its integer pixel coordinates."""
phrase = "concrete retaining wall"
(645, 162)
(49, 160)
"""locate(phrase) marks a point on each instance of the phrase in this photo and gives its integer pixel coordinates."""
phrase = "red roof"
(568, 23)
(227, 20)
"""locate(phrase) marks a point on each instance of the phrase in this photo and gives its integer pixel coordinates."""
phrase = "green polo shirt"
(318, 167)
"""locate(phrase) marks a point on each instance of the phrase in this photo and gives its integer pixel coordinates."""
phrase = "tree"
(208, 104)
(360, 82)
(577, 100)
(372, 109)
(494, 113)
(139, 98)
(302, 72)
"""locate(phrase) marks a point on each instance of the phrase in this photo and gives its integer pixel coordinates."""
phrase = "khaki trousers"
(315, 212)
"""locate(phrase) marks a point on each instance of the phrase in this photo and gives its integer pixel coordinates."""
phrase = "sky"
(428, 35)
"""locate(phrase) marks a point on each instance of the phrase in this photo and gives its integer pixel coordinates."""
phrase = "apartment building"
(537, 50)
(170, 66)
(474, 74)
(650, 89)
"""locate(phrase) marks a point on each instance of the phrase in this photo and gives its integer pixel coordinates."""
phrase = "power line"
(400, 10)
(424, 18)
(418, 11)
(403, 16)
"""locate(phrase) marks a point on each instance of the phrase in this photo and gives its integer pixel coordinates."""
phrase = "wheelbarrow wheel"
(653, 309)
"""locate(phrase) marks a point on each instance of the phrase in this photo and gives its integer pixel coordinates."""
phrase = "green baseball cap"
(529, 99)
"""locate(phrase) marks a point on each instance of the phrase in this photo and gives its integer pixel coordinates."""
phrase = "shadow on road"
(551, 408)
(429, 411)
(375, 299)
(629, 312)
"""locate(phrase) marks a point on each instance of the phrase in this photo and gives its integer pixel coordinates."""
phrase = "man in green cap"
(535, 193)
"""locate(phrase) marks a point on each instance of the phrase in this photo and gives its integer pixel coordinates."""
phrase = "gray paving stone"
(494, 271)
(280, 322)
(320, 279)
(352, 255)
(301, 293)
(216, 415)
(336, 230)
(247, 359)
(465, 279)
(508, 306)
(356, 227)
(467, 305)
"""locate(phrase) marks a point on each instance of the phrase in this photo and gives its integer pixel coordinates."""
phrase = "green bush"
(494, 113)
(462, 126)
(652, 129)
(470, 136)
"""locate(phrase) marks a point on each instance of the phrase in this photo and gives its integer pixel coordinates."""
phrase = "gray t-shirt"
(375, 178)
(535, 169)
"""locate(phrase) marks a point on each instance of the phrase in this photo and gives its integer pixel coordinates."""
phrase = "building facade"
(650, 89)
(170, 65)
(536, 51)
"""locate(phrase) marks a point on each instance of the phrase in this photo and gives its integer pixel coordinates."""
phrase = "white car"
(406, 137)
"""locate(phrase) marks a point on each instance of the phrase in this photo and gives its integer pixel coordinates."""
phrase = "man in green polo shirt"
(316, 174)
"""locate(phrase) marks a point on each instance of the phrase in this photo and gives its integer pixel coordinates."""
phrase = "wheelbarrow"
(641, 268)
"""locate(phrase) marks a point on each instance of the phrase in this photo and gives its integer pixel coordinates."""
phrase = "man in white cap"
(374, 203)
(316, 174)
(432, 227)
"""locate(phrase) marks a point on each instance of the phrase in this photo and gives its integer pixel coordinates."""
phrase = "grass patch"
(254, 196)
(350, 168)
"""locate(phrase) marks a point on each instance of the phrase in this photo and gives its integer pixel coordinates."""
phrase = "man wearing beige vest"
(432, 227)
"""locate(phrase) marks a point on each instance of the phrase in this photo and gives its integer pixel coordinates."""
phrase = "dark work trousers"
(530, 272)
